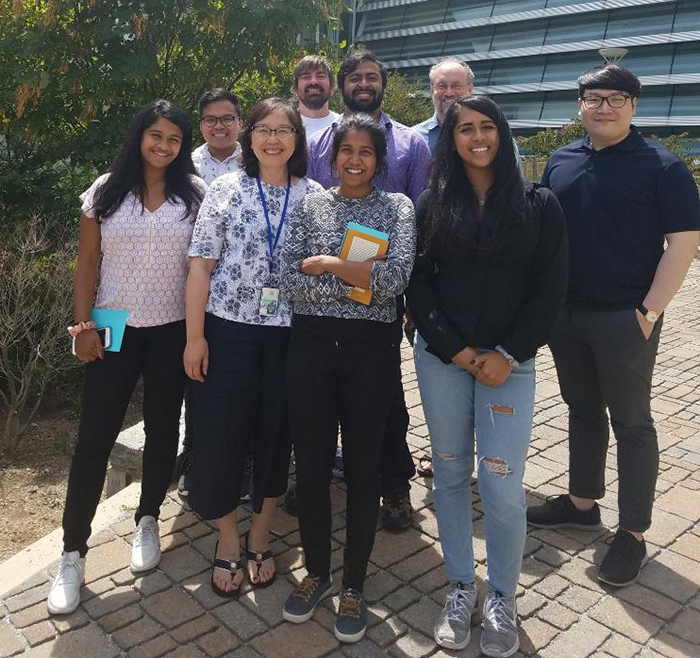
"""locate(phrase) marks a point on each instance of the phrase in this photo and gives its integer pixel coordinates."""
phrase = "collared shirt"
(209, 168)
(407, 159)
(231, 228)
(313, 124)
(429, 130)
(144, 257)
(619, 203)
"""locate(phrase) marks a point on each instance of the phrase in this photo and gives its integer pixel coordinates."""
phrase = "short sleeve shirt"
(619, 202)
(144, 257)
(231, 228)
(209, 168)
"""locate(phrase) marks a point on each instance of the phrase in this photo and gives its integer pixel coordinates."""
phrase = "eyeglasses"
(458, 87)
(616, 101)
(210, 121)
(283, 132)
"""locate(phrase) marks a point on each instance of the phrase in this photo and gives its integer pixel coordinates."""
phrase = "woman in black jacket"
(488, 281)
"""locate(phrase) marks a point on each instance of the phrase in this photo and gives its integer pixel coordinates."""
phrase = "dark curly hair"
(451, 223)
(126, 172)
(361, 121)
(298, 162)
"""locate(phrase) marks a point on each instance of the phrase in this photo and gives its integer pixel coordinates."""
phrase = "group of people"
(227, 260)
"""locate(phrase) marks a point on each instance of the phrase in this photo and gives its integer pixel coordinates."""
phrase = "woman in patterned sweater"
(341, 364)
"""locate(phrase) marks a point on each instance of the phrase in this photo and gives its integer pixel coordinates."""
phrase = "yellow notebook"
(360, 244)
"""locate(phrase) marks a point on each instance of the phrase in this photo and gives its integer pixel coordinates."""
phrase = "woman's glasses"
(264, 132)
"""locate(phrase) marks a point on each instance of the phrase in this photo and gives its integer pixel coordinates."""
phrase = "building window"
(687, 58)
(424, 45)
(560, 106)
(686, 101)
(381, 21)
(522, 34)
(579, 27)
(653, 19)
(654, 102)
(649, 60)
(424, 13)
(565, 67)
(457, 11)
(518, 71)
(513, 6)
(473, 40)
(687, 17)
(522, 107)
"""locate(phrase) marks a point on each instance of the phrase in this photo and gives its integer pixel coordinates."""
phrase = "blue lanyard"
(272, 246)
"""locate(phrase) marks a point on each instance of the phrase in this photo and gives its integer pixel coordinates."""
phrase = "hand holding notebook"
(360, 244)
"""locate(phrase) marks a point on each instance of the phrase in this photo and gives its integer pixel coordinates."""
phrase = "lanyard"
(272, 246)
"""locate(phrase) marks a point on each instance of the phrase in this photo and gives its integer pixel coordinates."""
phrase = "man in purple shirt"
(361, 80)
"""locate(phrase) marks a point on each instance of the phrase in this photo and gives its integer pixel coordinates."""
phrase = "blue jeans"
(457, 407)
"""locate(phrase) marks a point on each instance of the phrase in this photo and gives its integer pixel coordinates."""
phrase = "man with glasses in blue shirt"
(623, 197)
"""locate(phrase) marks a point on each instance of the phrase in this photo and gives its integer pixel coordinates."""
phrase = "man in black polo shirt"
(622, 196)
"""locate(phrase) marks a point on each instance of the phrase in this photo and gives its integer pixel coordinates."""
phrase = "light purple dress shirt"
(407, 159)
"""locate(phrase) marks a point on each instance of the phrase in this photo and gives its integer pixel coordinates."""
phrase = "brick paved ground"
(564, 610)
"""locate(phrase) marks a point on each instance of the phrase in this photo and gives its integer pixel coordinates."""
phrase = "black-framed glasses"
(616, 101)
(283, 132)
(210, 121)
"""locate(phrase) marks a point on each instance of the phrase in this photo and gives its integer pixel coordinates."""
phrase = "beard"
(370, 105)
(314, 101)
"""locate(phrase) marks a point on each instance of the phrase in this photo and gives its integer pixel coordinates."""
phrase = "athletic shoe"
(499, 630)
(397, 512)
(560, 512)
(338, 470)
(145, 545)
(351, 623)
(452, 629)
(64, 596)
(302, 602)
(624, 560)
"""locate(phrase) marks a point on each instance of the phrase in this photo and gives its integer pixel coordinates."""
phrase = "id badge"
(269, 301)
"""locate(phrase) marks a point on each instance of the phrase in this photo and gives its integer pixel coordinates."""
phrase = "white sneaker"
(145, 546)
(64, 596)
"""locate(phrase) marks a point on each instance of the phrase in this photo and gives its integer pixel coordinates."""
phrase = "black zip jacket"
(510, 297)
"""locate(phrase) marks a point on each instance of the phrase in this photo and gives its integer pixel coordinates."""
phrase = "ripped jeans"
(457, 408)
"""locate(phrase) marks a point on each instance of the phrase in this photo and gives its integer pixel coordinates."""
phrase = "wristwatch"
(649, 316)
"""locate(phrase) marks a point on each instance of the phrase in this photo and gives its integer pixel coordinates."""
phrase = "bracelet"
(80, 327)
(511, 359)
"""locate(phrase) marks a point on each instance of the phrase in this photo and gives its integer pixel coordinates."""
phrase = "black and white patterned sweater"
(317, 227)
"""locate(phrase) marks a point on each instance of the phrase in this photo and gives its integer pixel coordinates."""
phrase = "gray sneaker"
(499, 630)
(453, 627)
(302, 602)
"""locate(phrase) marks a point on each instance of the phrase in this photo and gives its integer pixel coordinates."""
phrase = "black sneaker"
(624, 560)
(302, 602)
(560, 512)
(351, 624)
(290, 500)
(397, 512)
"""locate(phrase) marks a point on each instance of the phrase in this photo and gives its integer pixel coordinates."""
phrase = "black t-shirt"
(619, 202)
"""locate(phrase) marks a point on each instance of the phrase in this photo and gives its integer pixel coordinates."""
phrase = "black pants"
(604, 361)
(353, 381)
(240, 407)
(155, 353)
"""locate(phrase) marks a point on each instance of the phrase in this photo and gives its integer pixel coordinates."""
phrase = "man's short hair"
(610, 76)
(313, 63)
(451, 60)
(218, 95)
(353, 60)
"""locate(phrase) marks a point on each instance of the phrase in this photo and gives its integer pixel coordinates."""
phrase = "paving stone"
(193, 629)
(682, 502)
(380, 585)
(107, 559)
(38, 633)
(363, 649)
(152, 583)
(186, 652)
(535, 635)
(158, 646)
(140, 631)
(624, 618)
(173, 541)
(416, 565)
(268, 603)
(401, 598)
(671, 646)
(552, 586)
(422, 615)
(387, 632)
(177, 523)
(557, 615)
(96, 588)
(199, 586)
(218, 643)
(240, 620)
(579, 599)
(197, 531)
(10, 642)
(621, 647)
(688, 545)
(244, 652)
(172, 608)
(28, 597)
(120, 618)
(529, 603)
(71, 622)
(581, 640)
(433, 580)
(687, 627)
(88, 641)
(412, 645)
(31, 615)
(580, 572)
(124, 577)
(182, 563)
(665, 528)
(392, 548)
(673, 575)
(646, 599)
(533, 571)
(307, 640)
(114, 599)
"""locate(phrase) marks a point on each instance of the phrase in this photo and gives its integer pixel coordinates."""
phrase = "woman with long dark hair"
(343, 361)
(139, 219)
(489, 279)
(237, 335)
